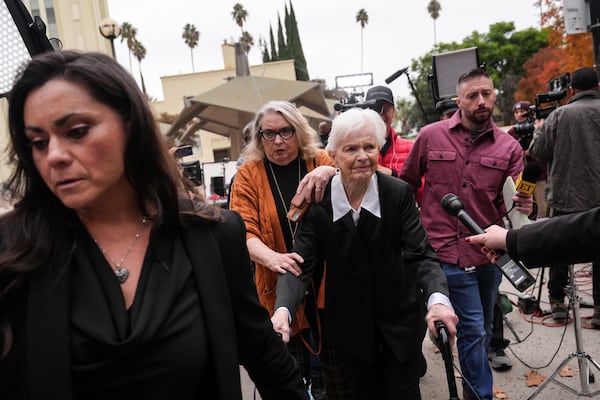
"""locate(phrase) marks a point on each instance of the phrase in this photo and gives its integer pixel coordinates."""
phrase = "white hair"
(356, 120)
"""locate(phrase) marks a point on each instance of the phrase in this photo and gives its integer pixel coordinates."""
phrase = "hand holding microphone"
(525, 186)
(516, 273)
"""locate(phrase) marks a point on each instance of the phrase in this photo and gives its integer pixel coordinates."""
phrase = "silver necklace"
(121, 272)
(292, 231)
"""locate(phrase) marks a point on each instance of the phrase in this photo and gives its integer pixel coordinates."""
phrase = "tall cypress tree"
(295, 46)
(286, 22)
(282, 48)
(274, 56)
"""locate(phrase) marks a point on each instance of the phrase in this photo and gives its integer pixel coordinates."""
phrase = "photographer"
(520, 130)
(395, 150)
(523, 131)
(568, 142)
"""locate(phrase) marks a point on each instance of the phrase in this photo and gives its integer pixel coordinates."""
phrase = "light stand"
(110, 29)
(583, 358)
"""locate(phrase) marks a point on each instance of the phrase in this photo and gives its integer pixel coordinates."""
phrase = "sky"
(397, 32)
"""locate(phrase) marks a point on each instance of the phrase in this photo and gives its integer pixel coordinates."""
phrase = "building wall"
(75, 23)
(177, 87)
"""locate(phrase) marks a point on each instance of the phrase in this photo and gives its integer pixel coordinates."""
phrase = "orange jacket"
(252, 197)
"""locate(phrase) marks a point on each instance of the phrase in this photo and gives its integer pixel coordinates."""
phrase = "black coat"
(568, 239)
(379, 274)
(239, 330)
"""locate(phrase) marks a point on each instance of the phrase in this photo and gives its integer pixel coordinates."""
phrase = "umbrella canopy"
(226, 109)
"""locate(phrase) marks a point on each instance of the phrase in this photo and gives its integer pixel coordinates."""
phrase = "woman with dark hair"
(113, 280)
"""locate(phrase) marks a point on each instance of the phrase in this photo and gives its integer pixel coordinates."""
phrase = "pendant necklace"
(121, 272)
(292, 231)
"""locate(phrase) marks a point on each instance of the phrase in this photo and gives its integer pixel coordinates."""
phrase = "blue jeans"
(473, 296)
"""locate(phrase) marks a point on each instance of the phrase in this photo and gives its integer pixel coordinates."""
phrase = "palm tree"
(239, 15)
(403, 107)
(128, 33)
(434, 7)
(190, 36)
(139, 51)
(247, 41)
(363, 19)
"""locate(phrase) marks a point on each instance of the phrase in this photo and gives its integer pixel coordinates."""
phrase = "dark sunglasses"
(269, 134)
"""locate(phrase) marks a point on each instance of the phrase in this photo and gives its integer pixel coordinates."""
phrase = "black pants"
(559, 278)
(386, 378)
(336, 381)
(498, 341)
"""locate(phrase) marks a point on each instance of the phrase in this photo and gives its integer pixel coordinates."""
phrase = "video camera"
(545, 103)
(191, 170)
(353, 102)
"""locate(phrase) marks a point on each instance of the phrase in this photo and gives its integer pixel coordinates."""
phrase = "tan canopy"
(226, 109)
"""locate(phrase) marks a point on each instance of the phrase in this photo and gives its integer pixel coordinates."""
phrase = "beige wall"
(176, 87)
(77, 23)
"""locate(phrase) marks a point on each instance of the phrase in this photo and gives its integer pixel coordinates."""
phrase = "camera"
(191, 170)
(545, 103)
(183, 151)
(352, 102)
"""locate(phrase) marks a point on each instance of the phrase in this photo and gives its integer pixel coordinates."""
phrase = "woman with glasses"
(282, 150)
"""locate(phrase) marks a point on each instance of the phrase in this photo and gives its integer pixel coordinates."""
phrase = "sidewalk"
(538, 345)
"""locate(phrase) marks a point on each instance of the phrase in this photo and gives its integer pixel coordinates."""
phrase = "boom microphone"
(395, 75)
(516, 273)
(526, 182)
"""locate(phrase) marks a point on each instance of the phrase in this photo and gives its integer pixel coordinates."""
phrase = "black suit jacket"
(568, 239)
(238, 327)
(379, 273)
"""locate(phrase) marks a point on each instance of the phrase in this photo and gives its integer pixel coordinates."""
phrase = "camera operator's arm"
(537, 123)
(542, 144)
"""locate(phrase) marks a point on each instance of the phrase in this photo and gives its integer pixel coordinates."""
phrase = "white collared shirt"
(341, 206)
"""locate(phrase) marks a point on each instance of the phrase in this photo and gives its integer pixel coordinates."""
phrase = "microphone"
(395, 75)
(526, 181)
(515, 272)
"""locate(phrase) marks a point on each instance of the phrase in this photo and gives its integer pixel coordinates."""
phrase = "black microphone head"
(337, 106)
(452, 204)
(532, 172)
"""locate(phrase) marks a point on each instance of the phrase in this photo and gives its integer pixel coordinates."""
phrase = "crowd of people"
(116, 276)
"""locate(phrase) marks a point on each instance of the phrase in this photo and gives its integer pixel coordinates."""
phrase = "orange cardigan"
(252, 197)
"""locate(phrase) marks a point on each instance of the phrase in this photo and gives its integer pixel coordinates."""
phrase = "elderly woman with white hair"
(382, 273)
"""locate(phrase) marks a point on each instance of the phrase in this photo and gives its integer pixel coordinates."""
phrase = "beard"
(479, 117)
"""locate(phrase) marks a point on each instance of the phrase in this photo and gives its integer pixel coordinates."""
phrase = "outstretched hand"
(493, 239)
(312, 186)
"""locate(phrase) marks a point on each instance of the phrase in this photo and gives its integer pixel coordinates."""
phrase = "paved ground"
(537, 344)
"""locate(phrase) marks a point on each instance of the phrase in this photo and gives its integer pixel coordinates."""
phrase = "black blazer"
(379, 274)
(238, 327)
(568, 239)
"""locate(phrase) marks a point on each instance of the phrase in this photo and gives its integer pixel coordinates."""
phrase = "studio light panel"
(13, 51)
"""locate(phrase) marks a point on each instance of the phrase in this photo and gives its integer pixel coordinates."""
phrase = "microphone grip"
(518, 276)
(395, 75)
(469, 223)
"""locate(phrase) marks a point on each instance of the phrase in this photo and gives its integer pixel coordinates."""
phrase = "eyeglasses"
(269, 134)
